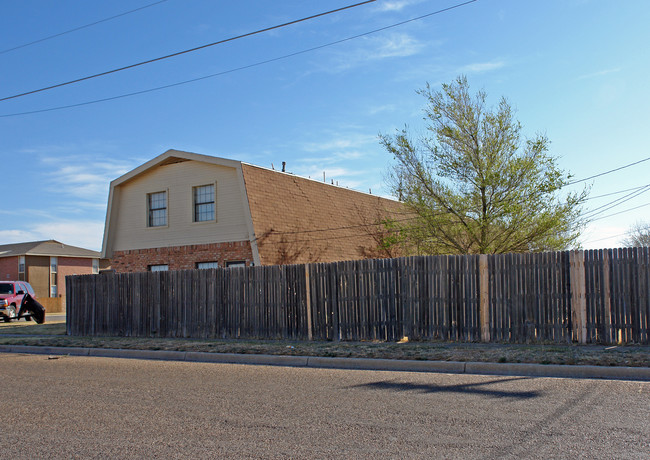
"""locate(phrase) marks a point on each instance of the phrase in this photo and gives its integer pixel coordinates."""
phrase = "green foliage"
(474, 185)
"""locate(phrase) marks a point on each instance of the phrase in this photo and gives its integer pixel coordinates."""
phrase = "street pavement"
(89, 407)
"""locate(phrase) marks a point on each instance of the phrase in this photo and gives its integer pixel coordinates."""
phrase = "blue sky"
(576, 70)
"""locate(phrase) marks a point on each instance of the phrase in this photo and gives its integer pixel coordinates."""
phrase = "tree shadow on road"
(467, 388)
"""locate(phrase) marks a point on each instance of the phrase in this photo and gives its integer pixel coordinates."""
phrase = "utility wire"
(149, 61)
(606, 172)
(618, 235)
(330, 229)
(621, 212)
(81, 27)
(267, 61)
(616, 193)
(616, 202)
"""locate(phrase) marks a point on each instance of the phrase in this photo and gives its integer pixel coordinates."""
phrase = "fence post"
(484, 297)
(608, 299)
(310, 335)
(578, 298)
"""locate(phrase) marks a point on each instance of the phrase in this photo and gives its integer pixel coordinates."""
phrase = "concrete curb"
(449, 367)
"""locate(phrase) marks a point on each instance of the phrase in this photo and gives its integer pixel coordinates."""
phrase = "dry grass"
(53, 334)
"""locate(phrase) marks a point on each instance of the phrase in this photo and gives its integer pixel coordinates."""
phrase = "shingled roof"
(288, 219)
(51, 248)
(299, 220)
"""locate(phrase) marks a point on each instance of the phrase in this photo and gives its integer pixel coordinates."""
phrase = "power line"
(616, 236)
(616, 193)
(606, 172)
(49, 37)
(149, 61)
(272, 233)
(236, 69)
(621, 212)
(617, 202)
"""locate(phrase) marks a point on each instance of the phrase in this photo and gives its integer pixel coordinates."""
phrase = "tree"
(474, 185)
(638, 235)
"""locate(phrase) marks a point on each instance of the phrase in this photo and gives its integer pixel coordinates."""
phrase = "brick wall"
(181, 257)
(9, 268)
(72, 266)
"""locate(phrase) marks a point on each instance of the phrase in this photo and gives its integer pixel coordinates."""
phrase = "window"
(236, 263)
(157, 205)
(158, 268)
(21, 268)
(205, 265)
(95, 266)
(30, 289)
(54, 268)
(204, 203)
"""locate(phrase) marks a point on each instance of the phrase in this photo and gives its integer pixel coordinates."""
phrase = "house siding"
(178, 179)
(181, 257)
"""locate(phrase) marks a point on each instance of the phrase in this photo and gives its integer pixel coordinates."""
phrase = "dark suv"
(11, 295)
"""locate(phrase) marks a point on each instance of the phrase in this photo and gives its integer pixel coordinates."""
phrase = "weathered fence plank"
(590, 296)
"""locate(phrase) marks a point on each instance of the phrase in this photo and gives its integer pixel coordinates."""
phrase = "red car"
(11, 296)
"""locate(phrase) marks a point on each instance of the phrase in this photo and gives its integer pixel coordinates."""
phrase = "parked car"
(11, 297)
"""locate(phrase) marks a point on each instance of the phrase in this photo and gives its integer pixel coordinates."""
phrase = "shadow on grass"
(469, 388)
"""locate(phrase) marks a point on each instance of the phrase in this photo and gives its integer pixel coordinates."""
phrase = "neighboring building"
(183, 210)
(45, 264)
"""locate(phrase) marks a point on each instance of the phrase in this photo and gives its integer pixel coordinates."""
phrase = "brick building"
(183, 210)
(45, 264)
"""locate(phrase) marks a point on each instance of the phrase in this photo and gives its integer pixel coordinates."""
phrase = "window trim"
(54, 276)
(21, 265)
(235, 263)
(166, 269)
(207, 262)
(214, 203)
(149, 209)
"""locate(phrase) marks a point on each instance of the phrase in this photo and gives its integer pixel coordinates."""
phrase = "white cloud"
(396, 45)
(17, 236)
(373, 49)
(84, 179)
(82, 233)
(341, 143)
(600, 73)
(87, 234)
(481, 67)
(381, 108)
(396, 5)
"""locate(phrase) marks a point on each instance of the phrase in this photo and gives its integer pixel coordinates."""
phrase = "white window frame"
(54, 270)
(159, 268)
(149, 216)
(21, 268)
(213, 202)
(207, 265)
(235, 263)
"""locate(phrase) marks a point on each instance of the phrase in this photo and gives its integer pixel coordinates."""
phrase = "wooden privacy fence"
(596, 296)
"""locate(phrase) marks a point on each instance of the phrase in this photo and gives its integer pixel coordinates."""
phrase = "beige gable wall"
(130, 210)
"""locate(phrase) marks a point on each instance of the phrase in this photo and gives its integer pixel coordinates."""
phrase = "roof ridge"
(298, 176)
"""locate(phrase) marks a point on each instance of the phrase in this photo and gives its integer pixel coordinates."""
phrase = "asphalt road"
(81, 407)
